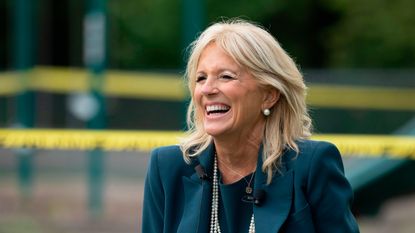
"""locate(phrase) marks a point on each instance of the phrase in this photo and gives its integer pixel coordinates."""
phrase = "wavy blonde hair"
(254, 48)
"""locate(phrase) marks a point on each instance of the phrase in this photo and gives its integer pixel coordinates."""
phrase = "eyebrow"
(222, 70)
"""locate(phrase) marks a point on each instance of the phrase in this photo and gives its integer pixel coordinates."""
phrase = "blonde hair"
(254, 48)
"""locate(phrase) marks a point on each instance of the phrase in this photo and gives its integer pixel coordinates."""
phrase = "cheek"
(197, 101)
(251, 106)
(197, 97)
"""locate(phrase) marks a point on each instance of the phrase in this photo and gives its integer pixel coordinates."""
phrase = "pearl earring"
(266, 112)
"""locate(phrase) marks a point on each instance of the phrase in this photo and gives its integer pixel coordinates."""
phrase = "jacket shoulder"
(325, 185)
(169, 159)
(172, 152)
(312, 154)
(172, 149)
(307, 145)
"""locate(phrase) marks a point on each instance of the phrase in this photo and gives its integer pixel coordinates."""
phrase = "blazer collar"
(276, 206)
(198, 195)
(206, 160)
(278, 197)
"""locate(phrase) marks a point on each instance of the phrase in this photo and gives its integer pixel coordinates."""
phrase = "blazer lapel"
(276, 206)
(197, 192)
(278, 198)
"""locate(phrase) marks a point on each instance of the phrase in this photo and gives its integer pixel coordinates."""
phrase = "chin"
(215, 132)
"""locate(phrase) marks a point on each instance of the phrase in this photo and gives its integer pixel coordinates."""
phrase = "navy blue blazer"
(308, 194)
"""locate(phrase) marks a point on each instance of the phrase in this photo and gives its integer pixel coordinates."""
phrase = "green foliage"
(148, 34)
(246, 9)
(144, 34)
(373, 33)
(299, 26)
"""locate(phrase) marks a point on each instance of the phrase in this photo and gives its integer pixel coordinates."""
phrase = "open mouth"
(217, 109)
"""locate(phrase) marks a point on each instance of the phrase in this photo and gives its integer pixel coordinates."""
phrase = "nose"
(209, 87)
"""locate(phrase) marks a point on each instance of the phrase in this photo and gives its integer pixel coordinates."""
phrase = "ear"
(271, 97)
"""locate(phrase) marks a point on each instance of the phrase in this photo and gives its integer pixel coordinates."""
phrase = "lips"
(217, 109)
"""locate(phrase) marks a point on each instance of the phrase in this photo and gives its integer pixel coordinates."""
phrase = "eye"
(227, 77)
(200, 78)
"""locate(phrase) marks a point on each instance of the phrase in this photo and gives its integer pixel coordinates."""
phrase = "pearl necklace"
(214, 217)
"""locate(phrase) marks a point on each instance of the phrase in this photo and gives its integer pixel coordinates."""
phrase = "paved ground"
(396, 216)
(59, 200)
(62, 207)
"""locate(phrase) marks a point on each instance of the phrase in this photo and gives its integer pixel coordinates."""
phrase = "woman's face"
(227, 97)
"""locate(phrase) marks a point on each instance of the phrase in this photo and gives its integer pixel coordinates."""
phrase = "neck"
(238, 152)
(236, 161)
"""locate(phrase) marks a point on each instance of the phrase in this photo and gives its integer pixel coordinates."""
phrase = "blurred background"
(118, 65)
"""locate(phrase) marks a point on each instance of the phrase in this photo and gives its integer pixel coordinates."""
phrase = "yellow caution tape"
(118, 140)
(372, 145)
(86, 139)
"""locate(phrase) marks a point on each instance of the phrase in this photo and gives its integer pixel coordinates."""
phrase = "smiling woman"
(246, 164)
(228, 98)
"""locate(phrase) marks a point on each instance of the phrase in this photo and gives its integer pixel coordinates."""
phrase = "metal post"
(3, 111)
(192, 24)
(193, 20)
(23, 61)
(94, 58)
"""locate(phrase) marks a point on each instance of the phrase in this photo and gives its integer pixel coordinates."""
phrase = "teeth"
(211, 108)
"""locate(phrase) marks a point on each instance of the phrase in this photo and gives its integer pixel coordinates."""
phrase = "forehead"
(214, 57)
